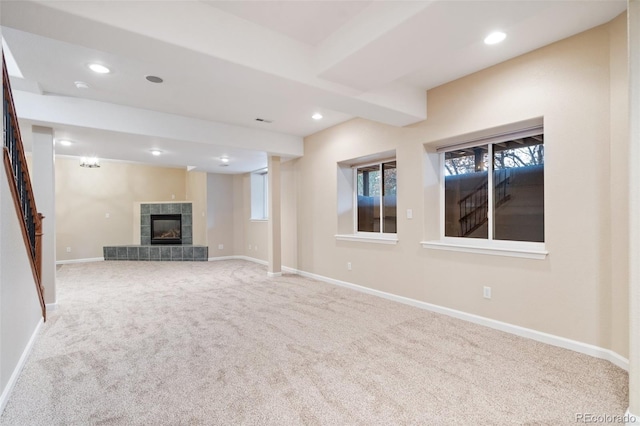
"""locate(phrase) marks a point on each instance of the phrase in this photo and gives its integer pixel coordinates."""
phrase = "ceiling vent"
(154, 79)
(264, 120)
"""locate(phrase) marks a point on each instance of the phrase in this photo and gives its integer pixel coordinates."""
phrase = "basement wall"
(85, 196)
(578, 292)
(20, 311)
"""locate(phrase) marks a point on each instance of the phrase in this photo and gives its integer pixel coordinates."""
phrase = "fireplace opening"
(166, 229)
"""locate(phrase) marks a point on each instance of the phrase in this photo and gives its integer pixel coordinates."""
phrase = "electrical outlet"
(173, 196)
(409, 214)
(68, 249)
(220, 246)
(486, 292)
(106, 215)
(255, 248)
(348, 266)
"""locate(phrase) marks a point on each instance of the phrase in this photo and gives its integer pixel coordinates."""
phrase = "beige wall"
(576, 85)
(19, 305)
(220, 210)
(254, 232)
(619, 187)
(289, 213)
(239, 223)
(196, 192)
(84, 197)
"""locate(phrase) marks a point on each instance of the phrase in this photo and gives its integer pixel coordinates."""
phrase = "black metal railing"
(474, 208)
(20, 184)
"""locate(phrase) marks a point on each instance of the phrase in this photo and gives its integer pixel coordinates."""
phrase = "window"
(495, 190)
(260, 195)
(376, 198)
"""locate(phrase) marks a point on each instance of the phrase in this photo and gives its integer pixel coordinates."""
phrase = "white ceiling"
(226, 63)
(309, 22)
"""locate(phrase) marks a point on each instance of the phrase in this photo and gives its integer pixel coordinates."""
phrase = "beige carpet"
(219, 343)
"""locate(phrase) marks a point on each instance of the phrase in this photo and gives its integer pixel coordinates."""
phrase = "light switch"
(409, 214)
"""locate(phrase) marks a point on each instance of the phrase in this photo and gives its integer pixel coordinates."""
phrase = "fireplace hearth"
(166, 229)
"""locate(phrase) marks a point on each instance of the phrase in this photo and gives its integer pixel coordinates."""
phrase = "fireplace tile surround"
(147, 252)
(184, 209)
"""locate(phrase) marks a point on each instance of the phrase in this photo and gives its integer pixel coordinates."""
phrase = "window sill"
(516, 251)
(377, 239)
(259, 220)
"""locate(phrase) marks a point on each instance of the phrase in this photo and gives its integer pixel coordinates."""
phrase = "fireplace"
(166, 229)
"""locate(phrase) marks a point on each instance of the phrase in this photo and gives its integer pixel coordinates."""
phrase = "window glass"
(516, 195)
(369, 191)
(259, 195)
(466, 192)
(389, 197)
(376, 198)
(518, 178)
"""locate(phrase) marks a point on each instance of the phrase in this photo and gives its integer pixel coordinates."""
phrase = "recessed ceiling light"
(224, 159)
(81, 84)
(317, 116)
(156, 152)
(64, 142)
(100, 69)
(495, 37)
(154, 79)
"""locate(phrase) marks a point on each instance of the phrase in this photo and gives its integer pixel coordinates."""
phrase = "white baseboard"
(253, 259)
(4, 398)
(274, 274)
(90, 259)
(216, 259)
(631, 419)
(539, 336)
(52, 306)
(250, 259)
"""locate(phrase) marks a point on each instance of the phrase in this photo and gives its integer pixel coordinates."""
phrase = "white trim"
(631, 419)
(290, 270)
(259, 220)
(237, 257)
(364, 238)
(274, 274)
(216, 259)
(501, 137)
(527, 253)
(528, 333)
(539, 336)
(4, 398)
(492, 135)
(52, 306)
(89, 259)
(369, 159)
(376, 162)
(253, 259)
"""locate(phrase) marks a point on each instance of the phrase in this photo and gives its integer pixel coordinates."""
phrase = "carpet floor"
(219, 343)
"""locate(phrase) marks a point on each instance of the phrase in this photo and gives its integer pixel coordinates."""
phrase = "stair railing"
(15, 165)
(474, 208)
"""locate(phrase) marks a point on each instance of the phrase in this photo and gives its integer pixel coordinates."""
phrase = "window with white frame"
(375, 197)
(494, 188)
(260, 195)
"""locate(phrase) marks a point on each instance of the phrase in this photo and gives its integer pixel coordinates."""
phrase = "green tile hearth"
(181, 253)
